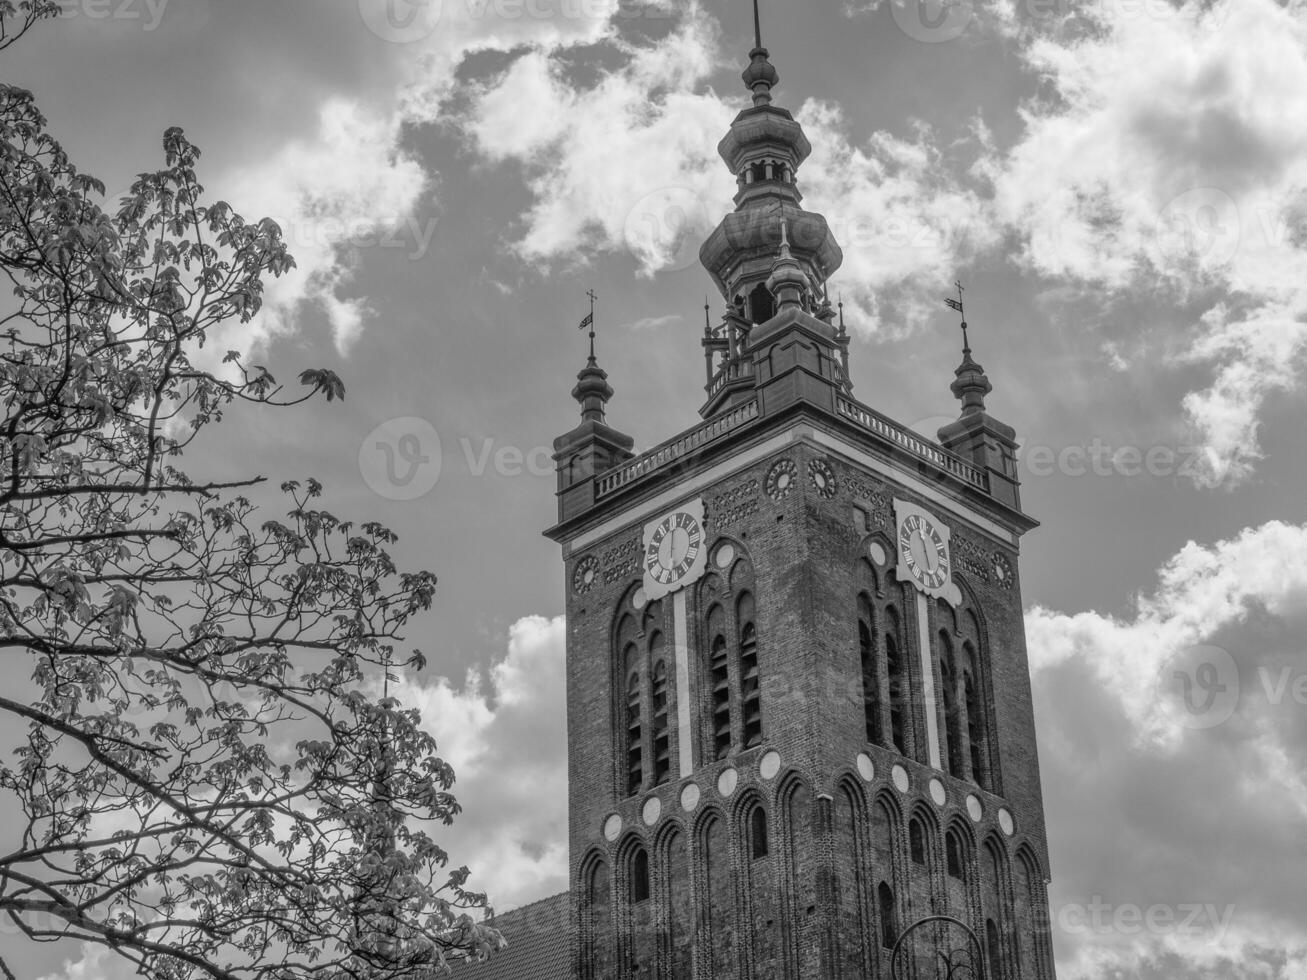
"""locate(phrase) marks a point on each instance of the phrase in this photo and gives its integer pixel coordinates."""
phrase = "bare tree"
(213, 776)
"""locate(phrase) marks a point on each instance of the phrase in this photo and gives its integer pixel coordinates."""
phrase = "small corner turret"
(593, 446)
(976, 435)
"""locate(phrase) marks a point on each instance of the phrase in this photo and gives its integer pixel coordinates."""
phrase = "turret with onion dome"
(770, 258)
(976, 435)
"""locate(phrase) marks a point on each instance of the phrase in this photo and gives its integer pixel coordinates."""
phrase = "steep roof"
(537, 944)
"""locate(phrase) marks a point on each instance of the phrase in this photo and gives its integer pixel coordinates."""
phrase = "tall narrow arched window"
(639, 876)
(597, 926)
(762, 305)
(952, 729)
(750, 687)
(719, 681)
(917, 842)
(994, 949)
(662, 745)
(870, 672)
(758, 833)
(889, 933)
(634, 737)
(896, 672)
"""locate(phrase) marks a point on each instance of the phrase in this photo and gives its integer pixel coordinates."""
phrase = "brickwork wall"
(837, 830)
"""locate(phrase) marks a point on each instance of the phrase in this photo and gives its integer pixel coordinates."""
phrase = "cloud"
(505, 734)
(904, 220)
(628, 164)
(1157, 163)
(625, 164)
(1173, 743)
(351, 186)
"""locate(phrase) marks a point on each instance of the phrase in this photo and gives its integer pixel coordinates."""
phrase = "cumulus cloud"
(505, 734)
(904, 219)
(1157, 162)
(1171, 737)
(628, 164)
(353, 184)
(350, 186)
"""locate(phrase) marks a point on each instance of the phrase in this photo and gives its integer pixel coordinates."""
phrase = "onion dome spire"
(761, 75)
(788, 282)
(592, 389)
(970, 385)
(764, 149)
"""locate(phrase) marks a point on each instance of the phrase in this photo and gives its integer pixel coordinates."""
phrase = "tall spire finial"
(970, 385)
(589, 321)
(592, 388)
(760, 76)
(957, 305)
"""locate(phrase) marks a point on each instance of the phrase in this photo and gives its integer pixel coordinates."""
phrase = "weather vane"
(589, 321)
(956, 304)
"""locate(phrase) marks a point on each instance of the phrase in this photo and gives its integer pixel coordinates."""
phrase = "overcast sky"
(1122, 184)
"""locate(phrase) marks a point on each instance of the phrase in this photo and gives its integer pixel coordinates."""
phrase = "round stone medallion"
(770, 765)
(900, 777)
(1005, 823)
(780, 479)
(866, 768)
(877, 553)
(689, 797)
(725, 555)
(639, 600)
(974, 810)
(653, 809)
(612, 827)
(727, 782)
(937, 792)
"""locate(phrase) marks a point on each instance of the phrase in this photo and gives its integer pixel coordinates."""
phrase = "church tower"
(799, 706)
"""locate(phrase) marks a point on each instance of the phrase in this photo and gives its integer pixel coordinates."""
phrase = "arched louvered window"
(719, 681)
(952, 729)
(750, 687)
(917, 842)
(662, 745)
(898, 687)
(889, 933)
(953, 856)
(870, 672)
(639, 876)
(758, 833)
(634, 737)
(976, 728)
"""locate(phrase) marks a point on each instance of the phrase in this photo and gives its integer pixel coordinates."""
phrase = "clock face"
(822, 478)
(923, 551)
(675, 552)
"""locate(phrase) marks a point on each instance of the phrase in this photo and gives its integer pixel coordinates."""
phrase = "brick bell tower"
(799, 709)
